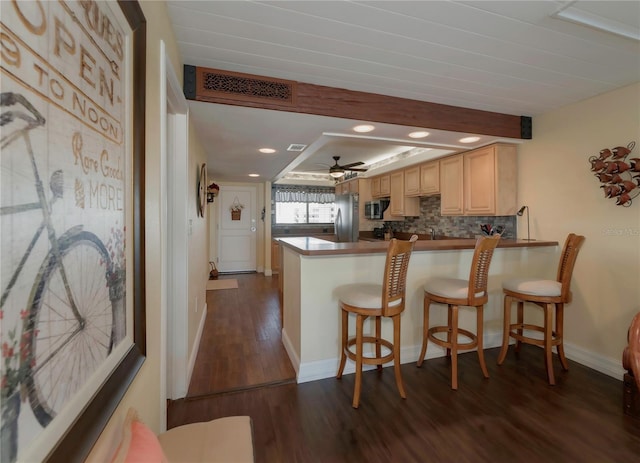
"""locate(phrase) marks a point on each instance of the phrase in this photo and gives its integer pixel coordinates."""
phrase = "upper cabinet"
(422, 180)
(490, 181)
(381, 186)
(430, 178)
(451, 185)
(480, 182)
(401, 205)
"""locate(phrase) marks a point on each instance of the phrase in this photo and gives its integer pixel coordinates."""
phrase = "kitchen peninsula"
(313, 268)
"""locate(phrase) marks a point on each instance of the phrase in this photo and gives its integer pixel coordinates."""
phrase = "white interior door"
(237, 235)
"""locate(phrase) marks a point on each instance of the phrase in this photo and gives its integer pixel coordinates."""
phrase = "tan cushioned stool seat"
(451, 288)
(362, 295)
(224, 440)
(534, 287)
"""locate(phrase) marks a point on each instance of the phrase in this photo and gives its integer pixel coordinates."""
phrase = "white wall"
(563, 196)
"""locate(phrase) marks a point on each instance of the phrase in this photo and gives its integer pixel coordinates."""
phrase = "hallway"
(241, 345)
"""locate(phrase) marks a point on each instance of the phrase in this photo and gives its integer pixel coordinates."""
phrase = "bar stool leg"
(345, 339)
(506, 328)
(378, 337)
(479, 336)
(560, 335)
(519, 329)
(359, 348)
(548, 337)
(425, 331)
(452, 338)
(396, 355)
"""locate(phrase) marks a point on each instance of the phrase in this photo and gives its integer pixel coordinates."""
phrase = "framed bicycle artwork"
(72, 99)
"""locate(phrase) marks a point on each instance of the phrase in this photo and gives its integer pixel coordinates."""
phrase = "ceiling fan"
(337, 171)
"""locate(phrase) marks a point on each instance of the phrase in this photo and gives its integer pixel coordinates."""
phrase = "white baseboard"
(321, 369)
(268, 272)
(196, 345)
(291, 352)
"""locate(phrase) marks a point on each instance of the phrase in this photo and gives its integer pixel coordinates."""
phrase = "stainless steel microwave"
(373, 210)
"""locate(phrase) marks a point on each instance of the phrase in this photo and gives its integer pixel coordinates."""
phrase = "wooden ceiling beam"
(238, 89)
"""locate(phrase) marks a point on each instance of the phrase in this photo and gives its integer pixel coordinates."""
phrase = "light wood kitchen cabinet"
(490, 180)
(480, 182)
(451, 185)
(412, 181)
(349, 186)
(430, 178)
(385, 186)
(422, 179)
(375, 187)
(381, 186)
(401, 205)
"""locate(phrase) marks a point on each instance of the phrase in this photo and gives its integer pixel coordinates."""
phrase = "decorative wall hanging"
(620, 178)
(72, 323)
(212, 192)
(202, 190)
(236, 209)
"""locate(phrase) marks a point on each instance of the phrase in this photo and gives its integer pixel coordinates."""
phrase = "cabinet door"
(340, 190)
(385, 185)
(480, 182)
(353, 186)
(412, 181)
(375, 187)
(451, 185)
(430, 178)
(399, 204)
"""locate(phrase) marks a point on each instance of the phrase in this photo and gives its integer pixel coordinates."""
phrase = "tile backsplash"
(455, 226)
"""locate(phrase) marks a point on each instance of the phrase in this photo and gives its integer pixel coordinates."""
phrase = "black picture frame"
(86, 429)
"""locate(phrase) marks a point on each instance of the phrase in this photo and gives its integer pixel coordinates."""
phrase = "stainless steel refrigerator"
(347, 217)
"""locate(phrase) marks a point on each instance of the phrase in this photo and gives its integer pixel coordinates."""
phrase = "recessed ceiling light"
(469, 139)
(254, 175)
(419, 134)
(363, 128)
(267, 150)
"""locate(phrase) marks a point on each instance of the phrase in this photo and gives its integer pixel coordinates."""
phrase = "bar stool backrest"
(395, 275)
(572, 245)
(479, 273)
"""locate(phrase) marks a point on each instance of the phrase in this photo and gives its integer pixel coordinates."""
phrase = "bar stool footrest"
(366, 359)
(473, 343)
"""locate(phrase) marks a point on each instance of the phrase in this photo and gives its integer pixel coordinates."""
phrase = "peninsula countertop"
(312, 246)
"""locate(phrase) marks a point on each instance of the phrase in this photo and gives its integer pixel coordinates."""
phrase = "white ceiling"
(512, 57)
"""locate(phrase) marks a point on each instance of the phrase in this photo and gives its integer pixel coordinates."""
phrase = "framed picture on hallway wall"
(71, 221)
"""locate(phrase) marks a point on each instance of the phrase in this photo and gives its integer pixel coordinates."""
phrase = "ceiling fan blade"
(353, 164)
(357, 170)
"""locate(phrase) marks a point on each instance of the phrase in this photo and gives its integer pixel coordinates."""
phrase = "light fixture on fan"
(336, 171)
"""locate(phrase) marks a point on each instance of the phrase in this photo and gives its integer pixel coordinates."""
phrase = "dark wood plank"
(512, 416)
(241, 344)
(349, 104)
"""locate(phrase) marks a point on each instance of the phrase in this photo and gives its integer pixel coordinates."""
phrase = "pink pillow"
(139, 444)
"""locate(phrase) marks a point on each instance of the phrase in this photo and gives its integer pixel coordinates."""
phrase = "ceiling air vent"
(296, 147)
(246, 87)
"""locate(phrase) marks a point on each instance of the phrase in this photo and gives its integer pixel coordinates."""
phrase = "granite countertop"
(312, 246)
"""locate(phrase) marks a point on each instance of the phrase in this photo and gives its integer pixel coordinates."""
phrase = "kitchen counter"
(313, 268)
(313, 246)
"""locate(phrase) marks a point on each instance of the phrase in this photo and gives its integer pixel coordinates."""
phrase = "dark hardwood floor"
(241, 344)
(514, 416)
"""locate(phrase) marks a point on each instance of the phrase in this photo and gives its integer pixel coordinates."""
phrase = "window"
(304, 204)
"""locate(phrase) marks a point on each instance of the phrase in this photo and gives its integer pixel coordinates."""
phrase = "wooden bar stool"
(546, 294)
(376, 300)
(454, 293)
